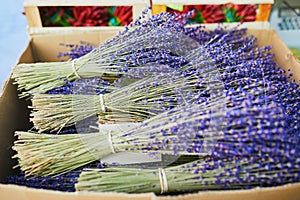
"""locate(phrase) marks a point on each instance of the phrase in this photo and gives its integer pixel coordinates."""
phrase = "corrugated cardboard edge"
(285, 192)
(14, 192)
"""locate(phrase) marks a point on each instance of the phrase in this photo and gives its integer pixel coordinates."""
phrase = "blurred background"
(13, 36)
(284, 18)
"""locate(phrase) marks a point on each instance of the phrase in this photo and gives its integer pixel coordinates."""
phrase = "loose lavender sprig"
(204, 174)
(76, 50)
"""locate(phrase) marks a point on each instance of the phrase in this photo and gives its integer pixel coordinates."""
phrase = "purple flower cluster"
(76, 50)
(65, 182)
(249, 125)
(238, 172)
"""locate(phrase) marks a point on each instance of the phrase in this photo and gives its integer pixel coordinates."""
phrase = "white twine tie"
(102, 103)
(163, 181)
(74, 69)
(110, 142)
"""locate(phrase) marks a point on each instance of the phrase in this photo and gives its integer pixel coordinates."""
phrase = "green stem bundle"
(53, 154)
(202, 174)
(133, 103)
(104, 61)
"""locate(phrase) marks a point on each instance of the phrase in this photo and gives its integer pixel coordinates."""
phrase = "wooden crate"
(35, 25)
(263, 14)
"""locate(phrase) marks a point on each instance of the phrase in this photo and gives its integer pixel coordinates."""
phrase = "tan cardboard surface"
(13, 192)
(286, 192)
(14, 115)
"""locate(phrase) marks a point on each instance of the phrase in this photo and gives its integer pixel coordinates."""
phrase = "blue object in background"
(13, 36)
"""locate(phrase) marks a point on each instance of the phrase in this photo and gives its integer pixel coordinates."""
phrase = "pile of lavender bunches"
(252, 146)
(267, 148)
(161, 39)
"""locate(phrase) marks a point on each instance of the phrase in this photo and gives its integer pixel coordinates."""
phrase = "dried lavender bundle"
(135, 102)
(204, 174)
(127, 50)
(240, 124)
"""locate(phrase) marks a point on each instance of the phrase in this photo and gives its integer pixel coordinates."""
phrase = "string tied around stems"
(163, 180)
(110, 143)
(75, 69)
(102, 103)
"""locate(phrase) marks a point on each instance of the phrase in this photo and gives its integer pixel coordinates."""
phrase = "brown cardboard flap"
(46, 47)
(14, 116)
(286, 192)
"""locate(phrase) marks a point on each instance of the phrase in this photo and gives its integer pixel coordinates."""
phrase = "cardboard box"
(14, 115)
(44, 46)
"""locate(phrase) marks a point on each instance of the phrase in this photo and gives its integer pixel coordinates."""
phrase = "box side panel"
(13, 192)
(14, 115)
(286, 192)
(46, 47)
(27, 55)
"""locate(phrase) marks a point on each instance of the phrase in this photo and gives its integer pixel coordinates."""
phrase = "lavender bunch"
(218, 127)
(207, 173)
(131, 48)
(134, 102)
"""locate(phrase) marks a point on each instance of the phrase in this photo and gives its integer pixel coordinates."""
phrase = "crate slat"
(264, 11)
(31, 7)
(33, 16)
(198, 2)
(84, 2)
